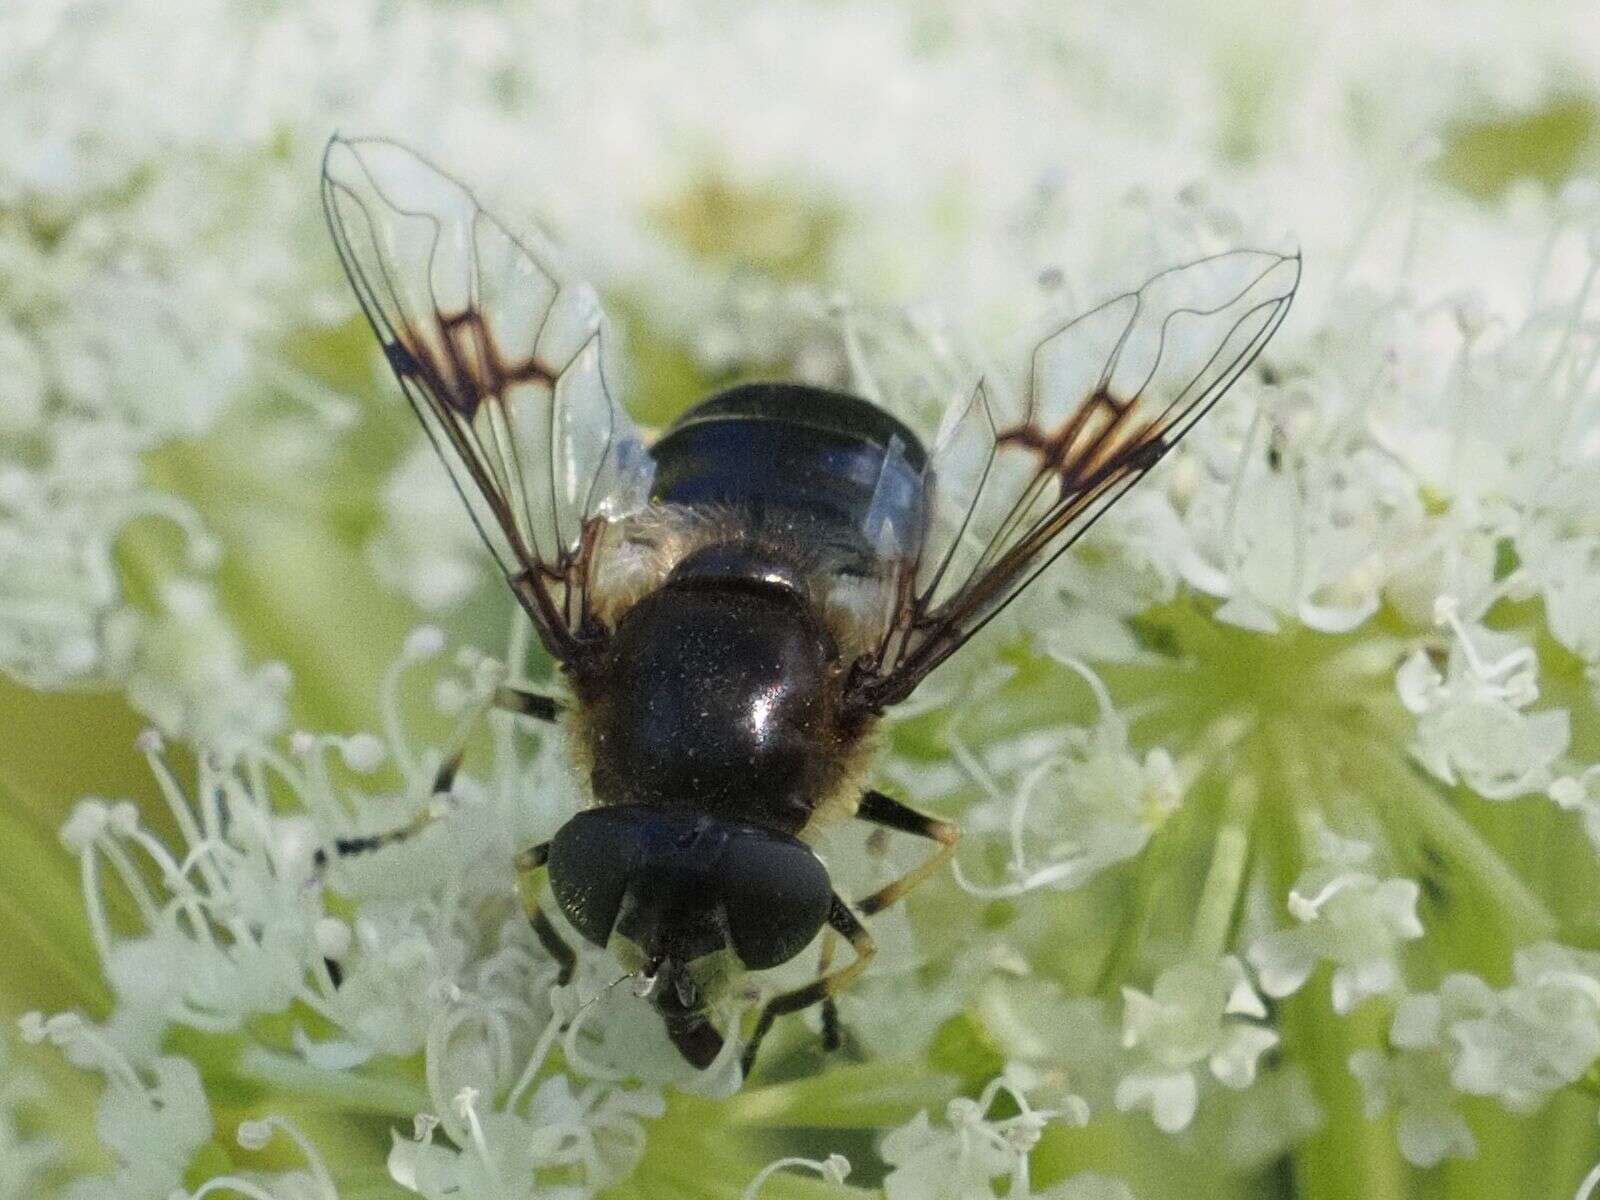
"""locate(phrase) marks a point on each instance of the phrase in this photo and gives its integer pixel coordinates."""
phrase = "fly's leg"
(438, 806)
(529, 863)
(511, 699)
(348, 847)
(533, 705)
(538, 707)
(515, 700)
(832, 1038)
(878, 809)
(841, 919)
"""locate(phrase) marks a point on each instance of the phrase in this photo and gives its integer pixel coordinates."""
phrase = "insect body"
(735, 606)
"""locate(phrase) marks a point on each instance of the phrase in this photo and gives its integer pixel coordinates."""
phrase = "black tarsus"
(533, 705)
(845, 922)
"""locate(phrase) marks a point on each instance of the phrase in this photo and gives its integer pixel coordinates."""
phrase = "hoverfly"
(734, 605)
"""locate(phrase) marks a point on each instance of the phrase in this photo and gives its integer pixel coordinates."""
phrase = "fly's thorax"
(853, 592)
(830, 485)
(716, 695)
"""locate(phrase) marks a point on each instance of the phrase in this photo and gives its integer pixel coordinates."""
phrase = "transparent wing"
(498, 348)
(1106, 397)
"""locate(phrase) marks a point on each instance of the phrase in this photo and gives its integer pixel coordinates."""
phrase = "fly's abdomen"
(791, 457)
(714, 697)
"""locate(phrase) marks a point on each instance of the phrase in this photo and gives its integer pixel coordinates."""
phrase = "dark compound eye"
(592, 861)
(775, 893)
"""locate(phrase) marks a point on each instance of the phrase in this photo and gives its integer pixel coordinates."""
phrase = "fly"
(735, 606)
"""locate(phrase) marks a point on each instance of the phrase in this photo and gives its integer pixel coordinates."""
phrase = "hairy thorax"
(719, 693)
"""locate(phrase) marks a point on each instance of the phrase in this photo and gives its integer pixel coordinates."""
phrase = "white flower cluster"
(1422, 439)
(1069, 804)
(963, 1158)
(125, 277)
(1471, 720)
(580, 1141)
(1519, 1044)
(23, 1159)
(1348, 916)
(1193, 1017)
(160, 244)
(233, 926)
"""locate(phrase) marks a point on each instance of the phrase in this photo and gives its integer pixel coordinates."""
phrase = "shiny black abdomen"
(800, 460)
(714, 696)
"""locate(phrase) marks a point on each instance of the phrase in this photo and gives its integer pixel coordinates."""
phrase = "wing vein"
(1148, 366)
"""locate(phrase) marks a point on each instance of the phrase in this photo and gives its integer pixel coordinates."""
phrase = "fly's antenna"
(584, 1007)
(569, 1040)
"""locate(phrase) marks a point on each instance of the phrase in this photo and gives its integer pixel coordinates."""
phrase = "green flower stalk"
(1281, 793)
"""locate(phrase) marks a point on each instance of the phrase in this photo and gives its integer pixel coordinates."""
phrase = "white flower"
(1581, 794)
(1417, 1087)
(959, 1160)
(23, 1159)
(572, 1144)
(1189, 1020)
(1422, 1020)
(1091, 803)
(1471, 721)
(1542, 1033)
(1348, 916)
(1520, 1045)
(152, 1116)
(1302, 528)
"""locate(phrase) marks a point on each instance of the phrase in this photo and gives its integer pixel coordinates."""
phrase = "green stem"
(1349, 1157)
(1526, 916)
(1159, 864)
(1230, 859)
(350, 1090)
(871, 1095)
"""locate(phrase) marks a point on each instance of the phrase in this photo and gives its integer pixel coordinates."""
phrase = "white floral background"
(1282, 796)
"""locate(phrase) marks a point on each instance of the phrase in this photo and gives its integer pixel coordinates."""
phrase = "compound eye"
(775, 893)
(593, 858)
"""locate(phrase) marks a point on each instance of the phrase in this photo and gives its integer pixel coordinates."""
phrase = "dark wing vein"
(498, 349)
(1108, 395)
